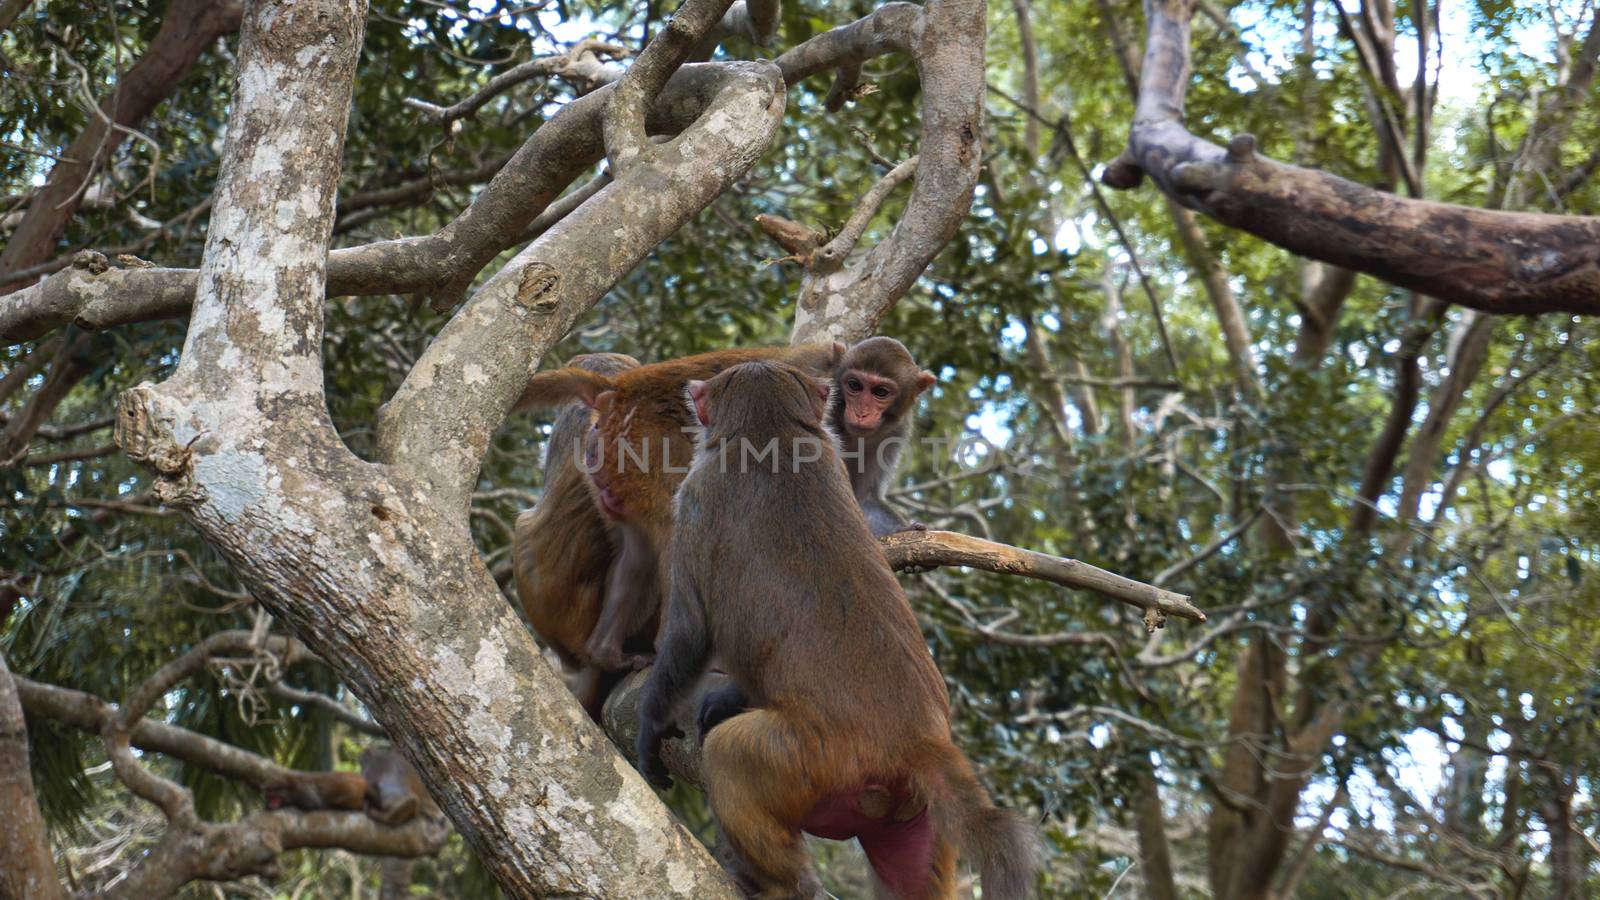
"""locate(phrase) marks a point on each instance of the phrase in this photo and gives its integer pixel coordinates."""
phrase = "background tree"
(1380, 489)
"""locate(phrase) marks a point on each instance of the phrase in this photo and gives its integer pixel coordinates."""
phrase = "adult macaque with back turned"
(774, 571)
(877, 387)
(635, 453)
(563, 549)
(879, 384)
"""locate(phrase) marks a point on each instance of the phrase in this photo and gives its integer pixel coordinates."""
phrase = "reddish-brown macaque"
(563, 549)
(775, 573)
(395, 793)
(635, 454)
(878, 387)
(311, 791)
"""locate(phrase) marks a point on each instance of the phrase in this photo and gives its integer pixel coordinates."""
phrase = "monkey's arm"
(681, 658)
(884, 519)
(630, 601)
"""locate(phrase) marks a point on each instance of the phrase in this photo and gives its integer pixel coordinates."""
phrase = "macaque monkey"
(879, 384)
(775, 573)
(636, 453)
(395, 793)
(563, 549)
(311, 791)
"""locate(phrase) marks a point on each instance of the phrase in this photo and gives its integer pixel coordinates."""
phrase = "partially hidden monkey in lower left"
(395, 793)
(387, 788)
(774, 572)
(311, 791)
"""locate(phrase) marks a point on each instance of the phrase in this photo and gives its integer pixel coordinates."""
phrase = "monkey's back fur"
(849, 733)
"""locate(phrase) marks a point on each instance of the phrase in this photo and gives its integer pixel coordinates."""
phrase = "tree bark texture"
(27, 868)
(363, 559)
(1493, 261)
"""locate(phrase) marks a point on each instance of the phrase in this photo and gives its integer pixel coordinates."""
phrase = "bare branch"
(327, 704)
(441, 265)
(360, 208)
(187, 29)
(580, 64)
(832, 254)
(1499, 262)
(1166, 575)
(908, 549)
(1154, 384)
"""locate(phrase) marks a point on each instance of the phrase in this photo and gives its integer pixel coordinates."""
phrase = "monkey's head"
(622, 448)
(281, 792)
(878, 383)
(759, 397)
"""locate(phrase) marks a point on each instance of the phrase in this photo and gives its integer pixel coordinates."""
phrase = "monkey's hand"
(651, 766)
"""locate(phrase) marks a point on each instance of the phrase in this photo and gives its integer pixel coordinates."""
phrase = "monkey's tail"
(1000, 842)
(557, 386)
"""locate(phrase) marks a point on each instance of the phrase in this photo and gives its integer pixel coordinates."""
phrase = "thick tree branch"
(439, 423)
(356, 556)
(1499, 262)
(29, 869)
(90, 713)
(947, 40)
(625, 133)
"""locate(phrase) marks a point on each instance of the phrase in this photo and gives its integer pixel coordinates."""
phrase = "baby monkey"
(848, 734)
(879, 384)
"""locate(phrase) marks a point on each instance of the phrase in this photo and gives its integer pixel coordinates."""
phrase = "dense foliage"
(1459, 644)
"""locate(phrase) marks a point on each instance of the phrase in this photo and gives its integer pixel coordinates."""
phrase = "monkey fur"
(635, 453)
(849, 732)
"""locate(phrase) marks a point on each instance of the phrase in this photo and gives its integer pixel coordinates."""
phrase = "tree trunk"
(27, 869)
(373, 565)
